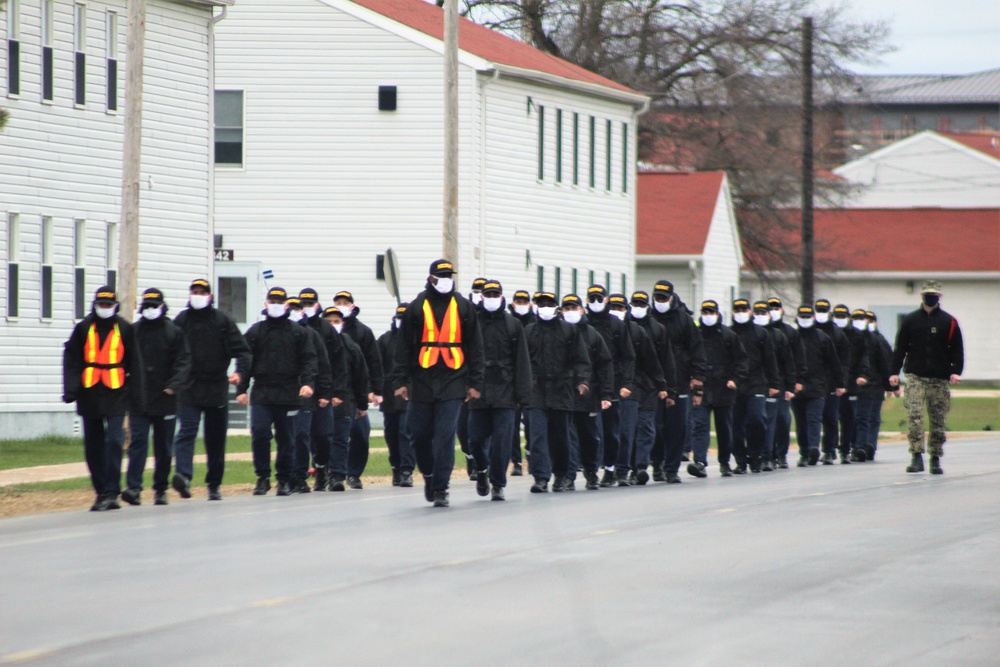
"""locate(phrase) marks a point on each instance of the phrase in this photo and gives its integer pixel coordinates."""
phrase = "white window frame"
(79, 262)
(48, 254)
(243, 128)
(13, 252)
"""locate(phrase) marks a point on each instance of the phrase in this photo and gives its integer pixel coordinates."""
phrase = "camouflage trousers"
(935, 394)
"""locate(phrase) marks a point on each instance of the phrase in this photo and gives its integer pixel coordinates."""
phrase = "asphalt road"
(840, 565)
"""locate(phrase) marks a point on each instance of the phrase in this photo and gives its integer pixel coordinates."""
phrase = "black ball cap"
(442, 268)
(152, 297)
(105, 294)
(277, 294)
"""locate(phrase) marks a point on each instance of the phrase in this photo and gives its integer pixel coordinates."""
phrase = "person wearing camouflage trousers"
(929, 349)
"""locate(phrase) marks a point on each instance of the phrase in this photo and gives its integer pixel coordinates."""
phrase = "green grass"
(967, 414)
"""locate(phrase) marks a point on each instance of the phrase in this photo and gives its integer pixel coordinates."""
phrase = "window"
(541, 278)
(13, 262)
(229, 127)
(576, 149)
(590, 278)
(559, 134)
(558, 289)
(80, 270)
(46, 267)
(944, 124)
(908, 123)
(112, 60)
(624, 162)
(111, 253)
(541, 143)
(79, 55)
(593, 149)
(13, 47)
(624, 284)
(233, 297)
(607, 279)
(575, 286)
(48, 75)
(607, 157)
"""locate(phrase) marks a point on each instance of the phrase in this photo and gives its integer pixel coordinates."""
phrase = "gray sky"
(934, 36)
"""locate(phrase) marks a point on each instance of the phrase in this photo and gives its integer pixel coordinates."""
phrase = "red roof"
(483, 42)
(675, 210)
(920, 239)
(984, 142)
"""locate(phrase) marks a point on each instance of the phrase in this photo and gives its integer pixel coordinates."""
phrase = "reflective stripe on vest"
(444, 342)
(104, 363)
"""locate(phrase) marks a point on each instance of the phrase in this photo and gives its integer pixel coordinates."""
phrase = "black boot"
(284, 488)
(320, 483)
(516, 471)
(396, 477)
(917, 464)
(672, 478)
(936, 466)
(482, 483)
(470, 467)
(813, 456)
(214, 493)
(428, 491)
(540, 486)
(263, 486)
(608, 479)
(845, 459)
(182, 485)
(160, 498)
(335, 483)
(592, 483)
(725, 470)
(441, 499)
(132, 496)
(406, 479)
(697, 469)
(558, 485)
(621, 477)
(497, 493)
(658, 475)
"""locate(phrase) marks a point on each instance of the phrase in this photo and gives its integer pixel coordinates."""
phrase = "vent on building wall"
(387, 98)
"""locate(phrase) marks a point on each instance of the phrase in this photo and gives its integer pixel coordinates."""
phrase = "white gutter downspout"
(482, 171)
(211, 141)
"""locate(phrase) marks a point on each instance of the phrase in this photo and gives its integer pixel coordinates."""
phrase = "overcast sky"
(934, 36)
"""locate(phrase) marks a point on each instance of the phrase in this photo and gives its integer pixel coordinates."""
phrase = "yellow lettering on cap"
(445, 265)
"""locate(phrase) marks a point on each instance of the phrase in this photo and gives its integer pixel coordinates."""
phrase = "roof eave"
(649, 260)
(637, 100)
(868, 274)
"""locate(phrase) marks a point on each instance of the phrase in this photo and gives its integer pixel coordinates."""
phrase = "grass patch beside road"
(967, 414)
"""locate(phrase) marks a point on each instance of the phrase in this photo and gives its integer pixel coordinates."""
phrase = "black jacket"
(559, 363)
(336, 354)
(507, 375)
(762, 368)
(324, 375)
(357, 380)
(649, 380)
(858, 366)
(362, 334)
(664, 352)
(213, 340)
(783, 357)
(615, 335)
(824, 372)
(525, 320)
(602, 386)
(929, 345)
(879, 360)
(438, 383)
(688, 351)
(166, 364)
(726, 360)
(843, 347)
(795, 345)
(387, 343)
(284, 361)
(101, 401)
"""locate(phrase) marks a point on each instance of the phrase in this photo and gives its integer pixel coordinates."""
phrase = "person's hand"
(371, 397)
(234, 379)
(789, 395)
(375, 400)
(624, 393)
(306, 391)
(798, 387)
(605, 405)
(360, 414)
(337, 401)
(862, 382)
(894, 380)
(583, 389)
(243, 399)
(773, 392)
(402, 393)
(840, 391)
(323, 402)
(168, 391)
(731, 385)
(472, 394)
(954, 379)
(662, 395)
(671, 402)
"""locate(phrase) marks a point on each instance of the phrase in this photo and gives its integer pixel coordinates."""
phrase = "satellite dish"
(390, 268)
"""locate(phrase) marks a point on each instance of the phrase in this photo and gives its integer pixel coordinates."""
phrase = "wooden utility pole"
(808, 249)
(450, 250)
(128, 260)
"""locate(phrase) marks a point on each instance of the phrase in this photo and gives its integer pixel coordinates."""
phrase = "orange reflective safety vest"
(103, 363)
(442, 343)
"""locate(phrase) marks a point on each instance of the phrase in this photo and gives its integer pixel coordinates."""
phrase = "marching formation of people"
(621, 388)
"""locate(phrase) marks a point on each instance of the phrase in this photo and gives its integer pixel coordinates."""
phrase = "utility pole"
(808, 249)
(451, 132)
(128, 261)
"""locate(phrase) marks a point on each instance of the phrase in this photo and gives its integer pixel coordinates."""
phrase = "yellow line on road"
(25, 656)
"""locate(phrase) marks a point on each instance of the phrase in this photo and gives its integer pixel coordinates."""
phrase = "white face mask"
(597, 306)
(709, 320)
(296, 315)
(492, 304)
(662, 307)
(547, 312)
(104, 313)
(199, 301)
(522, 309)
(338, 327)
(476, 299)
(804, 322)
(639, 312)
(275, 309)
(775, 315)
(573, 316)
(761, 320)
(347, 310)
(620, 314)
(860, 325)
(152, 313)
(741, 318)
(310, 311)
(822, 318)
(444, 285)
(842, 322)
(872, 327)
